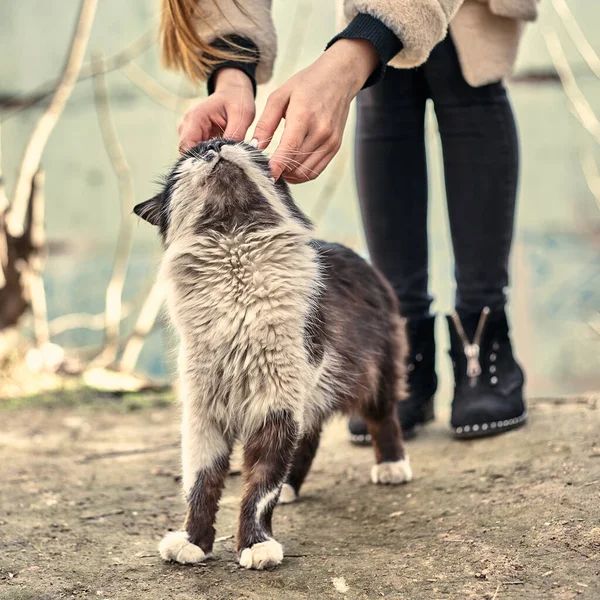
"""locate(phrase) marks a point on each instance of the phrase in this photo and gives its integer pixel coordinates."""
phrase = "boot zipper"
(471, 349)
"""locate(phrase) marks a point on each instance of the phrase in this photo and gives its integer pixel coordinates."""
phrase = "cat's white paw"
(176, 546)
(262, 556)
(288, 494)
(392, 472)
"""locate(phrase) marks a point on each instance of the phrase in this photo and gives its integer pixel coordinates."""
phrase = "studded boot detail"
(488, 392)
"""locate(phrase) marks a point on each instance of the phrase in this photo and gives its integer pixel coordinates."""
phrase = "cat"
(278, 331)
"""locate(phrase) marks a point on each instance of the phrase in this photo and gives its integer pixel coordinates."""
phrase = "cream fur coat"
(486, 33)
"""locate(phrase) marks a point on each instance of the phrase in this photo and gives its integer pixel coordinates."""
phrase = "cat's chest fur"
(240, 304)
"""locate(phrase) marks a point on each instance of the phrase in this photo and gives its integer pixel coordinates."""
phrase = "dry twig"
(110, 513)
(155, 91)
(114, 290)
(289, 61)
(590, 171)
(583, 46)
(133, 452)
(44, 127)
(3, 209)
(116, 61)
(35, 268)
(143, 327)
(581, 107)
(83, 321)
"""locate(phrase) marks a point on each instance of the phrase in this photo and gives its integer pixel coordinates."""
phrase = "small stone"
(594, 535)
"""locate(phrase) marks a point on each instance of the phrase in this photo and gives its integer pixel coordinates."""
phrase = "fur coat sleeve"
(420, 24)
(253, 22)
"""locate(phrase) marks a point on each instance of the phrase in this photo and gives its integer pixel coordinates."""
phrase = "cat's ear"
(150, 210)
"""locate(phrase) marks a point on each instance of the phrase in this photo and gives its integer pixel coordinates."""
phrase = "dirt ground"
(87, 493)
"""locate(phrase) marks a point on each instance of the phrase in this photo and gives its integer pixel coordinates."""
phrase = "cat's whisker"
(298, 165)
(304, 153)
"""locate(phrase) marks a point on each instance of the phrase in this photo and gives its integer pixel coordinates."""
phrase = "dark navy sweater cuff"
(387, 44)
(241, 46)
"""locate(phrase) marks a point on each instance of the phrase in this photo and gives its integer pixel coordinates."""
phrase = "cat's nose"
(213, 145)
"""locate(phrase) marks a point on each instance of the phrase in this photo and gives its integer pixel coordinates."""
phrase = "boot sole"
(407, 434)
(365, 440)
(480, 430)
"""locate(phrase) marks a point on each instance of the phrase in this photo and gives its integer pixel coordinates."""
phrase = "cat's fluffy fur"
(278, 331)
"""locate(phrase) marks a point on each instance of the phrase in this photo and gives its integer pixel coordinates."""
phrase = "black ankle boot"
(488, 392)
(417, 409)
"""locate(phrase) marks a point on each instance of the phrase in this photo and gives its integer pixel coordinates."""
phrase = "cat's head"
(221, 186)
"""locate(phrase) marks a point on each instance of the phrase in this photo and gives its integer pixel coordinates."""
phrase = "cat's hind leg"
(268, 454)
(301, 463)
(392, 464)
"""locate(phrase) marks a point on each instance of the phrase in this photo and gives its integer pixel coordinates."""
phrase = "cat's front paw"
(392, 473)
(262, 556)
(176, 547)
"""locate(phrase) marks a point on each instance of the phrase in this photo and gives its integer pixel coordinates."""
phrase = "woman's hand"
(315, 104)
(228, 112)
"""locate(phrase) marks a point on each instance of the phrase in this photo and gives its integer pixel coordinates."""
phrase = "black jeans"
(481, 162)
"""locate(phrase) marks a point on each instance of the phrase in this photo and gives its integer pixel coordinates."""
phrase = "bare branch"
(133, 451)
(143, 327)
(583, 46)
(289, 61)
(582, 109)
(125, 56)
(592, 176)
(37, 238)
(3, 196)
(37, 142)
(83, 321)
(116, 61)
(335, 175)
(155, 91)
(3, 209)
(114, 290)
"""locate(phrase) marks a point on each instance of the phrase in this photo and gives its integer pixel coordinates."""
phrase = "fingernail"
(254, 143)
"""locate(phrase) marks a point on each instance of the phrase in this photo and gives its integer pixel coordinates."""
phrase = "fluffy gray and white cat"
(278, 331)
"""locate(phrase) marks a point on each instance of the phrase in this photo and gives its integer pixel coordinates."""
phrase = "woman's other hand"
(227, 113)
(315, 104)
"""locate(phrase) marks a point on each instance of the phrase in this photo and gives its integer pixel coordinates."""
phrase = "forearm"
(357, 59)
(232, 77)
(363, 49)
(379, 38)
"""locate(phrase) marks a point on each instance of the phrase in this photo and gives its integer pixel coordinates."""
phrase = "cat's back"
(350, 279)
(356, 318)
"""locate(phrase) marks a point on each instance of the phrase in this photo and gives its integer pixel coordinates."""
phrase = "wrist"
(356, 58)
(231, 77)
